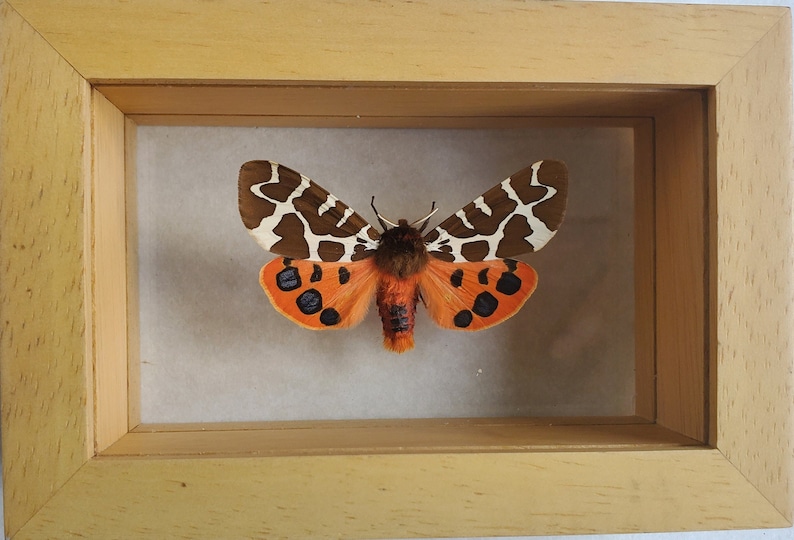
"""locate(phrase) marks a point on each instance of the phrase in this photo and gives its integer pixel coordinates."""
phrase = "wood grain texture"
(109, 276)
(755, 245)
(644, 270)
(682, 274)
(409, 122)
(397, 437)
(364, 100)
(133, 299)
(401, 423)
(446, 40)
(44, 123)
(404, 496)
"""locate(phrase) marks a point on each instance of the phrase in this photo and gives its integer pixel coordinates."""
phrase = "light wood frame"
(708, 91)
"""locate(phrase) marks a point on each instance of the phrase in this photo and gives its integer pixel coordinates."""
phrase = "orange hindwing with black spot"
(334, 262)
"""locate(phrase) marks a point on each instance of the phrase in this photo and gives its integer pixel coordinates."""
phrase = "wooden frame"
(711, 106)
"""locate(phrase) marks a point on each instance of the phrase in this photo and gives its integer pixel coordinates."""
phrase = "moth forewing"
(288, 214)
(519, 215)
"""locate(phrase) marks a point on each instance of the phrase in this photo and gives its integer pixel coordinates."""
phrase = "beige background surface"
(214, 349)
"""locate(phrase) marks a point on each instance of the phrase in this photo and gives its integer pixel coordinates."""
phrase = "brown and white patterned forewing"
(288, 214)
(519, 215)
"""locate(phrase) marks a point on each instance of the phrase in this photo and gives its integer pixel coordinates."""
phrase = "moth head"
(401, 250)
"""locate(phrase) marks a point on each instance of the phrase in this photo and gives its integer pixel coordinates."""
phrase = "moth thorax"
(401, 251)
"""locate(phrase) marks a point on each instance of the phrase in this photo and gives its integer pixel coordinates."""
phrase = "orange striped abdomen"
(396, 299)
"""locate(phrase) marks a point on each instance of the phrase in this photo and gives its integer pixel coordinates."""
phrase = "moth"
(333, 261)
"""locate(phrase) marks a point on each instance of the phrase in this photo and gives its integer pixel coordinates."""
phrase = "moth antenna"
(382, 220)
(425, 219)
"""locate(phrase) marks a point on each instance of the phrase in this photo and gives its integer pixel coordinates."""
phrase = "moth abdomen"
(396, 299)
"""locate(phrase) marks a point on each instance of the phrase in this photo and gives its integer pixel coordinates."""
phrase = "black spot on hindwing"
(310, 301)
(288, 279)
(508, 284)
(317, 273)
(344, 275)
(482, 276)
(485, 304)
(463, 318)
(456, 278)
(330, 317)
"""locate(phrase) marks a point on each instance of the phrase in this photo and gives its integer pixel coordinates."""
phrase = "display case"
(702, 95)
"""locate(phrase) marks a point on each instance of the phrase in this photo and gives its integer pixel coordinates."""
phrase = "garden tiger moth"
(333, 261)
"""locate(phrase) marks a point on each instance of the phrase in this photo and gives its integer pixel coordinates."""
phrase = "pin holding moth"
(333, 262)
